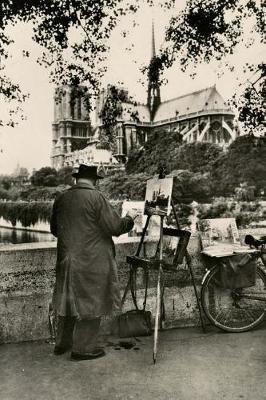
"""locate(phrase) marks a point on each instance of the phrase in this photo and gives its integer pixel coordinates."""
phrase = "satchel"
(135, 323)
(239, 274)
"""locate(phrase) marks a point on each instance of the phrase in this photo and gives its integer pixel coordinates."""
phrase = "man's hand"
(133, 214)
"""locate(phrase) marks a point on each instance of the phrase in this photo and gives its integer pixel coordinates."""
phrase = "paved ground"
(190, 366)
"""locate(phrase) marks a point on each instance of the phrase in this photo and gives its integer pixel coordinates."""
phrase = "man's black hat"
(88, 171)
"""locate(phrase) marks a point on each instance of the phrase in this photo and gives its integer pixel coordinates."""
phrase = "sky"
(29, 143)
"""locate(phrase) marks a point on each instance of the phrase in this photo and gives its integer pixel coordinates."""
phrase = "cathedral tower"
(71, 126)
(154, 96)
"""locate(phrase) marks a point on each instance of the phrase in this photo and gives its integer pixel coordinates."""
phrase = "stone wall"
(27, 274)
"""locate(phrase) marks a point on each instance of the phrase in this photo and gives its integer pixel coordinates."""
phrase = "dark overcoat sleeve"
(110, 221)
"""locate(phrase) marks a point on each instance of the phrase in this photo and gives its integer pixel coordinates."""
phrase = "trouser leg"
(64, 334)
(85, 335)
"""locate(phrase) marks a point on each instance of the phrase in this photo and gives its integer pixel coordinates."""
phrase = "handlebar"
(252, 241)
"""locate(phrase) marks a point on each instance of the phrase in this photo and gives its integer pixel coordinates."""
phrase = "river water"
(15, 236)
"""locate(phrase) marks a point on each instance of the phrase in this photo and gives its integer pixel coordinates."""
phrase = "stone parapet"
(27, 274)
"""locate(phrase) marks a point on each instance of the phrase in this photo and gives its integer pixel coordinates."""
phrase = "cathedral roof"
(207, 99)
(140, 110)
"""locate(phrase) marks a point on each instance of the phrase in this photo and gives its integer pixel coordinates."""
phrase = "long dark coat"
(86, 273)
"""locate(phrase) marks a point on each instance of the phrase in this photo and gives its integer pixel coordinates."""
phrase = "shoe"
(96, 353)
(60, 350)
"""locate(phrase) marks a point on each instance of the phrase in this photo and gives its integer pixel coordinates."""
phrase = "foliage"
(110, 113)
(244, 212)
(74, 37)
(190, 163)
(183, 211)
(64, 176)
(189, 186)
(211, 29)
(202, 31)
(5, 181)
(160, 147)
(196, 157)
(4, 194)
(121, 186)
(245, 161)
(14, 193)
(49, 177)
(45, 176)
(28, 213)
(252, 105)
(40, 193)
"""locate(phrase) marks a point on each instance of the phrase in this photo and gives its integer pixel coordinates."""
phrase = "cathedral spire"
(153, 52)
(154, 97)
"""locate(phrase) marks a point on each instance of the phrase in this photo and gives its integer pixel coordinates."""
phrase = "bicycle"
(240, 309)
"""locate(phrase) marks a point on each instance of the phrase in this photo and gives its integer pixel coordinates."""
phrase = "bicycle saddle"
(252, 241)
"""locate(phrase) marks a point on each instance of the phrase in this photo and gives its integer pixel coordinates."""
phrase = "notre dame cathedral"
(198, 116)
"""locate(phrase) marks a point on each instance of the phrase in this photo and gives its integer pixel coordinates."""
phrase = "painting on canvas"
(218, 230)
(158, 196)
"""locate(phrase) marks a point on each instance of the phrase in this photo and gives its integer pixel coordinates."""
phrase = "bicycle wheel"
(233, 310)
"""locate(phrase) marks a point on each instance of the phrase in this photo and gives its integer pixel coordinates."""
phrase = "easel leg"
(143, 235)
(195, 291)
(157, 316)
(125, 292)
(158, 298)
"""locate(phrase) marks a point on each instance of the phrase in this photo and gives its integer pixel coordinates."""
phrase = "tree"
(202, 31)
(211, 29)
(159, 148)
(196, 157)
(111, 111)
(244, 162)
(72, 59)
(64, 176)
(45, 176)
(120, 186)
(167, 147)
(189, 186)
(6, 181)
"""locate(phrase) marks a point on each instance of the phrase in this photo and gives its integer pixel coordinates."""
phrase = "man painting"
(86, 276)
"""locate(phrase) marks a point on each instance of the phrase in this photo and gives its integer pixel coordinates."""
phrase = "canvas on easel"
(158, 196)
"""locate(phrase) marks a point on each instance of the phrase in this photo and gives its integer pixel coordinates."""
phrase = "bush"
(189, 186)
(42, 193)
(245, 161)
(160, 146)
(244, 213)
(45, 176)
(121, 186)
(27, 213)
(183, 211)
(195, 157)
(4, 194)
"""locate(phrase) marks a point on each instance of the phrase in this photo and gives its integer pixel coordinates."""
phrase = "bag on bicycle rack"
(238, 271)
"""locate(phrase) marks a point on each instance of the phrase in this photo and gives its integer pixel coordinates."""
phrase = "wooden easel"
(159, 264)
